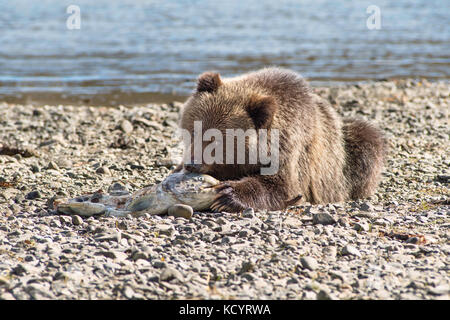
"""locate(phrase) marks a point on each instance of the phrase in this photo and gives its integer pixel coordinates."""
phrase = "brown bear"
(321, 158)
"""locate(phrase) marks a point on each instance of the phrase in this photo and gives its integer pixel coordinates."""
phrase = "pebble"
(244, 233)
(77, 220)
(169, 273)
(117, 189)
(164, 229)
(4, 281)
(103, 170)
(181, 211)
(365, 206)
(323, 295)
(52, 165)
(126, 126)
(361, 226)
(128, 292)
(116, 255)
(248, 213)
(35, 194)
(210, 223)
(323, 218)
(113, 236)
(351, 250)
(309, 263)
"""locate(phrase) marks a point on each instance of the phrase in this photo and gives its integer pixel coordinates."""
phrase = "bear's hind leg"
(365, 149)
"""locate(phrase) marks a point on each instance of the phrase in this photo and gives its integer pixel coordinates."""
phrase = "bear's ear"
(208, 82)
(261, 110)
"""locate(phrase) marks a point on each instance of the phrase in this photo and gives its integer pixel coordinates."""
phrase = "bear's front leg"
(258, 192)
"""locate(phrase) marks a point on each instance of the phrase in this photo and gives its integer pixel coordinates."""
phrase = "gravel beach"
(394, 245)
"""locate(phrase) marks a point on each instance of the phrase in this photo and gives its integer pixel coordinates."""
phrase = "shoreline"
(119, 97)
(393, 245)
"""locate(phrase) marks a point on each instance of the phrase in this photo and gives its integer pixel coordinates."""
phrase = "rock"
(53, 166)
(170, 273)
(164, 229)
(361, 226)
(292, 222)
(272, 239)
(311, 210)
(228, 240)
(149, 123)
(126, 126)
(413, 240)
(22, 269)
(65, 219)
(139, 255)
(117, 189)
(113, 236)
(128, 292)
(6, 296)
(39, 291)
(168, 163)
(323, 295)
(210, 223)
(330, 253)
(309, 263)
(440, 290)
(247, 266)
(248, 276)
(248, 213)
(181, 210)
(337, 275)
(77, 220)
(122, 225)
(56, 223)
(35, 194)
(343, 222)
(159, 264)
(65, 163)
(103, 170)
(244, 233)
(366, 206)
(116, 255)
(351, 250)
(222, 221)
(323, 218)
(4, 281)
(443, 178)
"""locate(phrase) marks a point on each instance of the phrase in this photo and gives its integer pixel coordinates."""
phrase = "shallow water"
(137, 51)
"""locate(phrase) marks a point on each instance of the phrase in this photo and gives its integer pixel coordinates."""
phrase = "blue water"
(135, 46)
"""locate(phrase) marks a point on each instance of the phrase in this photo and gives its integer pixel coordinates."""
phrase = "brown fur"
(322, 159)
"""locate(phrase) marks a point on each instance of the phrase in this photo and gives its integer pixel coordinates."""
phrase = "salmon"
(193, 189)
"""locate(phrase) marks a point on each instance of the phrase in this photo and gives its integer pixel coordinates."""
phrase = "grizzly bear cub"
(321, 158)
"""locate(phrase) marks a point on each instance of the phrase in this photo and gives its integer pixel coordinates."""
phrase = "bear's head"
(224, 120)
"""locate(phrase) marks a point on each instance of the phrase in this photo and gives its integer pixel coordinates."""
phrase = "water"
(134, 51)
